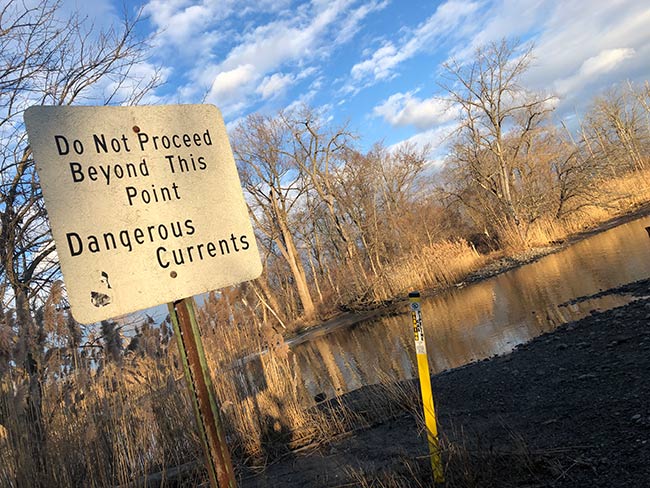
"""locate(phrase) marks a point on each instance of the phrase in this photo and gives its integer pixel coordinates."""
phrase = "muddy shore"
(568, 409)
(496, 265)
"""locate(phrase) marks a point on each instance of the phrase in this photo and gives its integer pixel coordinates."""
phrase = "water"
(480, 320)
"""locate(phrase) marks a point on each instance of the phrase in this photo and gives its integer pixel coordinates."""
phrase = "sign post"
(204, 401)
(425, 388)
(146, 208)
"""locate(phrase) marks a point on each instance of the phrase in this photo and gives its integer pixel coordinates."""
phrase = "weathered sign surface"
(145, 204)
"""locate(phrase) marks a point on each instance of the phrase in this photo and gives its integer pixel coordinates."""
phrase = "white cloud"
(274, 85)
(579, 50)
(230, 83)
(604, 62)
(290, 44)
(352, 22)
(181, 23)
(579, 55)
(502, 19)
(381, 65)
(402, 109)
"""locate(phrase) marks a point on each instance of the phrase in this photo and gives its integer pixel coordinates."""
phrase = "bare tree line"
(331, 218)
(334, 223)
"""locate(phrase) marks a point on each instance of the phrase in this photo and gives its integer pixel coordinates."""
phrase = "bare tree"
(616, 128)
(316, 150)
(46, 58)
(497, 120)
(274, 185)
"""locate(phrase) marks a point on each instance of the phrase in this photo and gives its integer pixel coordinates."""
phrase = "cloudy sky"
(376, 64)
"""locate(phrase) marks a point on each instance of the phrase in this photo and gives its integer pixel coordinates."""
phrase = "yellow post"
(425, 388)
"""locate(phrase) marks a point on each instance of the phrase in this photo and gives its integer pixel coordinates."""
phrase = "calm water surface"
(482, 319)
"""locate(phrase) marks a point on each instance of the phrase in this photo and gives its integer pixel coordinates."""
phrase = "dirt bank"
(569, 409)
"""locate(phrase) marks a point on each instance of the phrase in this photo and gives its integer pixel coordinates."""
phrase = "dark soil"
(569, 409)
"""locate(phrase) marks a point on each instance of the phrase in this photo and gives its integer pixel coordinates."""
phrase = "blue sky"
(376, 64)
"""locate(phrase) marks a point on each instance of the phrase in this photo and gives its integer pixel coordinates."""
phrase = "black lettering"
(189, 253)
(233, 239)
(244, 241)
(74, 243)
(161, 263)
(62, 145)
(138, 234)
(206, 138)
(144, 169)
(224, 243)
(175, 188)
(93, 244)
(125, 140)
(170, 159)
(163, 232)
(130, 193)
(142, 140)
(125, 240)
(189, 227)
(106, 172)
(75, 169)
(100, 143)
(182, 162)
(176, 229)
(202, 163)
(199, 248)
(130, 170)
(109, 241)
(77, 146)
(212, 249)
(178, 257)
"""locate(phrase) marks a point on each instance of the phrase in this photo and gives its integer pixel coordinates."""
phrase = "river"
(480, 320)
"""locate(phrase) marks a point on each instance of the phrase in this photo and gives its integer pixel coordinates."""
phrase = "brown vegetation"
(339, 228)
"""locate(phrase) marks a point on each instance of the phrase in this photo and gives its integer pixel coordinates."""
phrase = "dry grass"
(265, 407)
(131, 421)
(618, 197)
(440, 264)
(101, 430)
(112, 427)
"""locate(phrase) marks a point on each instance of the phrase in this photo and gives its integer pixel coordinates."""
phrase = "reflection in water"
(482, 319)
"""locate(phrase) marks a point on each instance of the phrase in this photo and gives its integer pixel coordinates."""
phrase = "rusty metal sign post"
(204, 401)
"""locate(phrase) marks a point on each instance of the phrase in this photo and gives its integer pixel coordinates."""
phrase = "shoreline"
(493, 267)
(567, 409)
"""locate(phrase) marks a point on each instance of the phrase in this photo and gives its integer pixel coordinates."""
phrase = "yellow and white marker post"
(425, 387)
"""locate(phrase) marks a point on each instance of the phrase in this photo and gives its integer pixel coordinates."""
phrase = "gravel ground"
(568, 409)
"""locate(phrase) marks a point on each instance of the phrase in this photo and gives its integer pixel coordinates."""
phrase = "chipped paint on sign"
(145, 204)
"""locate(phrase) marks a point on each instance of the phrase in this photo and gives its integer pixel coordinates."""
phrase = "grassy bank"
(118, 422)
